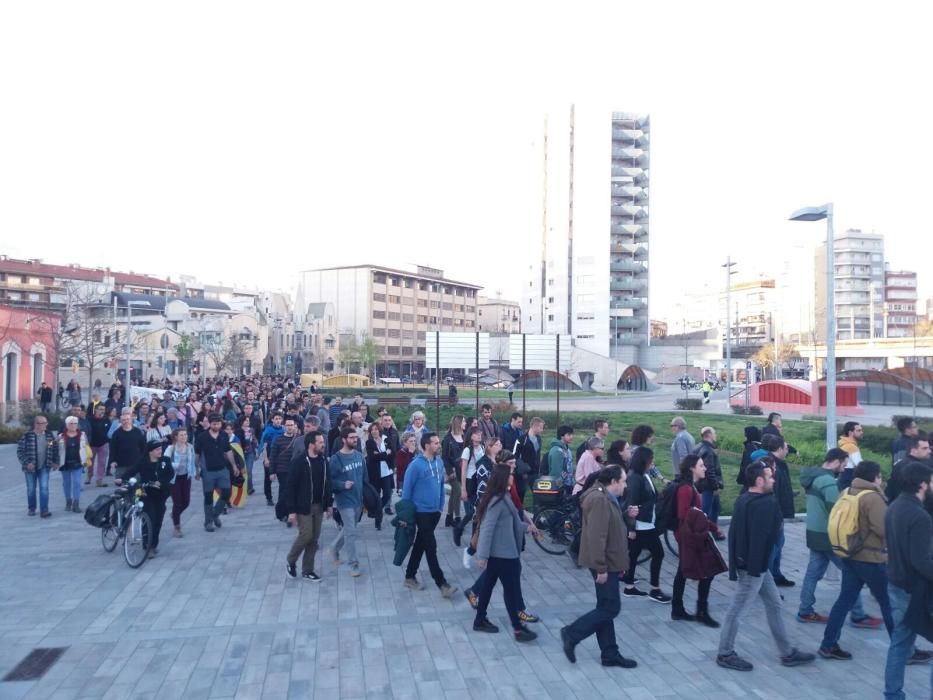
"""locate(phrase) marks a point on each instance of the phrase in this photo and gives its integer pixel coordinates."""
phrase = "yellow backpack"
(843, 525)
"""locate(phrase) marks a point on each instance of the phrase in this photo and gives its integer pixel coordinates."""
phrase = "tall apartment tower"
(588, 273)
(859, 286)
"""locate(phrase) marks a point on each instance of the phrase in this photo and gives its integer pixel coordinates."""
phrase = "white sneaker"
(467, 558)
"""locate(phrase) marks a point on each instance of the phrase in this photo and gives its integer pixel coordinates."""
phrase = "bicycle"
(127, 520)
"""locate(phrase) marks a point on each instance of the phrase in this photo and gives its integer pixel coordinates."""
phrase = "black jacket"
(756, 521)
(908, 530)
(451, 452)
(893, 488)
(392, 440)
(374, 457)
(783, 489)
(280, 455)
(713, 480)
(750, 447)
(97, 435)
(529, 455)
(307, 484)
(639, 492)
(151, 472)
(127, 447)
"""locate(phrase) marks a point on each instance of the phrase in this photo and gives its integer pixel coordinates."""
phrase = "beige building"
(498, 315)
(396, 308)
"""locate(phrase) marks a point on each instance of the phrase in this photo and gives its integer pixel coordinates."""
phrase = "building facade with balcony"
(900, 303)
(859, 281)
(589, 271)
(395, 308)
(498, 315)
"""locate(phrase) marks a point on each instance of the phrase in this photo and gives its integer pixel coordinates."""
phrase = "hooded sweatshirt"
(560, 462)
(822, 493)
(855, 456)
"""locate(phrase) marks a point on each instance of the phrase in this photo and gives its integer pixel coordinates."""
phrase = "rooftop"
(76, 272)
(394, 271)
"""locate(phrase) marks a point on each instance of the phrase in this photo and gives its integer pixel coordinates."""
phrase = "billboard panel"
(457, 350)
(540, 351)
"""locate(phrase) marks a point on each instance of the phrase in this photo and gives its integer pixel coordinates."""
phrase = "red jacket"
(699, 556)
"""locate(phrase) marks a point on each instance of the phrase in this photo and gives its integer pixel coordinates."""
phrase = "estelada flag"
(237, 493)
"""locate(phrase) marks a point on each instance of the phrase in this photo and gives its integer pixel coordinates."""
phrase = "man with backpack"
(856, 532)
(822, 493)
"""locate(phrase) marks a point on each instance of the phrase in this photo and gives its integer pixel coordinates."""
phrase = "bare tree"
(227, 352)
(85, 331)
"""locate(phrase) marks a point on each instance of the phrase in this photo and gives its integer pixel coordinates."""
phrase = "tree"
(184, 351)
(368, 354)
(923, 328)
(228, 352)
(766, 356)
(348, 356)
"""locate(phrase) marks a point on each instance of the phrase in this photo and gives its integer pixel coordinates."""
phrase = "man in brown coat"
(604, 551)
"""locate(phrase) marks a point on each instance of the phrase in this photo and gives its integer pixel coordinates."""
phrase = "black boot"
(703, 616)
(678, 612)
(450, 521)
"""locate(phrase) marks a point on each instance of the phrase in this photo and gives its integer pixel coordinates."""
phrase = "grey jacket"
(501, 531)
(683, 445)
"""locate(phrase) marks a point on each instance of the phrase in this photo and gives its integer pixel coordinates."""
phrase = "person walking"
(379, 461)
(309, 498)
(269, 435)
(712, 483)
(74, 455)
(487, 423)
(406, 453)
(498, 551)
(418, 426)
(181, 455)
(819, 483)
(909, 533)
(159, 430)
(510, 389)
(699, 559)
(347, 474)
(246, 434)
(45, 397)
(852, 434)
(560, 458)
(784, 495)
(867, 563)
(451, 451)
(215, 459)
(37, 452)
(469, 461)
(753, 533)
(280, 459)
(424, 486)
(642, 494)
(127, 445)
(589, 463)
(156, 471)
(528, 453)
(913, 449)
(683, 443)
(99, 443)
(604, 551)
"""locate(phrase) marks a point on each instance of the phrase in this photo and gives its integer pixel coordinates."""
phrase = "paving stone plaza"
(214, 616)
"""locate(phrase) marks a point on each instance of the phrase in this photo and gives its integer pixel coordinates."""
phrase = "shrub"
(752, 411)
(10, 434)
(56, 420)
(689, 404)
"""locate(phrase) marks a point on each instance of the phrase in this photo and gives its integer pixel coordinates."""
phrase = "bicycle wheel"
(671, 543)
(556, 530)
(109, 535)
(137, 540)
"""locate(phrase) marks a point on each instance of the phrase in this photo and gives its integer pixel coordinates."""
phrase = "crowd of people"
(335, 459)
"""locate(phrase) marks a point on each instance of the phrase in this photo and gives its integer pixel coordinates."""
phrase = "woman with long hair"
(697, 559)
(183, 461)
(498, 551)
(643, 436)
(641, 492)
(451, 451)
(379, 462)
(619, 452)
(158, 431)
(473, 452)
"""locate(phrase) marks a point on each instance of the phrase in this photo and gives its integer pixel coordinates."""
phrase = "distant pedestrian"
(74, 455)
(712, 484)
(45, 397)
(683, 444)
(510, 389)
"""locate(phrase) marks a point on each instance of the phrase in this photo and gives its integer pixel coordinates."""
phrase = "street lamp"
(729, 272)
(818, 214)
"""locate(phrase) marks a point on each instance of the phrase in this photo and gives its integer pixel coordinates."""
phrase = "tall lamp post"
(729, 265)
(818, 214)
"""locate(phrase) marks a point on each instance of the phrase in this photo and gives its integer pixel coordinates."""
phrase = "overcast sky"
(243, 142)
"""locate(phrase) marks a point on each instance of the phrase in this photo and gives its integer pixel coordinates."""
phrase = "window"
(393, 299)
(393, 281)
(379, 278)
(409, 284)
(394, 316)
(377, 333)
(584, 279)
(407, 333)
(421, 350)
(408, 318)
(550, 283)
(550, 317)
(423, 286)
(585, 337)
(470, 309)
(585, 298)
(117, 338)
(392, 350)
(379, 314)
(447, 306)
(423, 303)
(407, 350)
(550, 300)
(422, 335)
(469, 324)
(422, 319)
(393, 332)
(435, 304)
(446, 322)
(379, 297)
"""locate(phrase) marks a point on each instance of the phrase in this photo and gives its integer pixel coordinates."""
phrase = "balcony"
(626, 322)
(629, 339)
(639, 252)
(627, 266)
(628, 303)
(638, 175)
(627, 284)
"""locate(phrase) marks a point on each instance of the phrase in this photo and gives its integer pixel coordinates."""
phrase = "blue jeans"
(71, 483)
(600, 620)
(42, 477)
(711, 505)
(774, 563)
(856, 574)
(901, 647)
(816, 569)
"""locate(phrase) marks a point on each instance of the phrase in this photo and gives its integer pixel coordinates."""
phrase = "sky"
(244, 142)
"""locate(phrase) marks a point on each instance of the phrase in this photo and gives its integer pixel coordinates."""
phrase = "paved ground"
(214, 616)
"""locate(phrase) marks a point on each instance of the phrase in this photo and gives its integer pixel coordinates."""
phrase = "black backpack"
(98, 513)
(665, 512)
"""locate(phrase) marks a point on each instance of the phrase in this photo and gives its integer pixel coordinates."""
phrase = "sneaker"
(523, 634)
(151, 554)
(101, 484)
(526, 616)
(269, 502)
(413, 584)
(471, 597)
(217, 523)
(621, 662)
(31, 512)
(458, 537)
(291, 570)
(448, 591)
(46, 514)
(920, 656)
(658, 597)
(833, 652)
(733, 662)
(250, 492)
(485, 625)
(355, 572)
(867, 623)
(388, 511)
(336, 560)
(797, 658)
(177, 532)
(812, 617)
(568, 646)
(467, 558)
(784, 582)
(209, 527)
(632, 592)
(311, 576)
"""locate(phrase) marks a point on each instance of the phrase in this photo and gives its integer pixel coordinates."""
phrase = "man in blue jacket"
(347, 473)
(424, 486)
